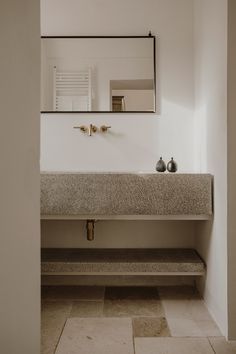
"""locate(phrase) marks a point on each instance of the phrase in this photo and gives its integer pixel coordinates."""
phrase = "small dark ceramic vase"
(160, 166)
(172, 165)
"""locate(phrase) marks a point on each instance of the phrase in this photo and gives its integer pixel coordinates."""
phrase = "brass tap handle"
(104, 128)
(83, 128)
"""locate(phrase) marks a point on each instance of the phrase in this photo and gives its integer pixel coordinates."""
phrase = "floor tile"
(130, 293)
(172, 346)
(96, 336)
(209, 328)
(73, 293)
(133, 308)
(221, 346)
(150, 327)
(188, 309)
(184, 328)
(87, 309)
(53, 318)
(132, 301)
(188, 317)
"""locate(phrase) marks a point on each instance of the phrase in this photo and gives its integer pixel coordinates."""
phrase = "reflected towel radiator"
(72, 91)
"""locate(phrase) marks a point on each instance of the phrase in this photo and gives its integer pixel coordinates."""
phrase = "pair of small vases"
(171, 166)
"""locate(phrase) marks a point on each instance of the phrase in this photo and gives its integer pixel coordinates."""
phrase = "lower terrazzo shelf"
(121, 262)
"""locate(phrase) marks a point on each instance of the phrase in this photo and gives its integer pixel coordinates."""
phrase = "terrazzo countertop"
(126, 194)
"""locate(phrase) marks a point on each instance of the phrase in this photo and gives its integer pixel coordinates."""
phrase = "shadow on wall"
(203, 247)
(118, 234)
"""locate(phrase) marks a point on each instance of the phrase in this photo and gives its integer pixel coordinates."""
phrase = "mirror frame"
(112, 112)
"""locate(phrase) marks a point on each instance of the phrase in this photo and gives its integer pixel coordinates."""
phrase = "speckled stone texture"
(126, 194)
(150, 327)
(121, 261)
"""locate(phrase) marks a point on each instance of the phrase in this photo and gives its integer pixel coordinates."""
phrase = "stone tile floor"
(128, 320)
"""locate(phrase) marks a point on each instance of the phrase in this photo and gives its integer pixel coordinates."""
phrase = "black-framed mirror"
(109, 74)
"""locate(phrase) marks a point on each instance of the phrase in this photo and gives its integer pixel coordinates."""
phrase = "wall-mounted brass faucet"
(92, 129)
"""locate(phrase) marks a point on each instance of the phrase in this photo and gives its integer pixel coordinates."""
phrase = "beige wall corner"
(19, 177)
(231, 169)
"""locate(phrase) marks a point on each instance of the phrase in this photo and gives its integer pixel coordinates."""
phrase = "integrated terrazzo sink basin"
(126, 196)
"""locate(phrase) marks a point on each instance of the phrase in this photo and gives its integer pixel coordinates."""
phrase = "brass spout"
(90, 229)
(82, 128)
(92, 129)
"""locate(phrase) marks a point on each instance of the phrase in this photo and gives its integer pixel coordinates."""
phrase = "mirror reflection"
(88, 74)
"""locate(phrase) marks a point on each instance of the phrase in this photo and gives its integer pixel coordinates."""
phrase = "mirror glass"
(98, 74)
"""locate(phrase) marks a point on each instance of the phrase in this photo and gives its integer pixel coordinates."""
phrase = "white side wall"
(231, 169)
(210, 32)
(19, 177)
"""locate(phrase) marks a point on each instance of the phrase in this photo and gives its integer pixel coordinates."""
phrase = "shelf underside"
(126, 217)
(121, 262)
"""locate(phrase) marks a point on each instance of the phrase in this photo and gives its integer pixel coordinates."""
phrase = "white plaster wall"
(136, 140)
(210, 59)
(19, 177)
(119, 234)
(231, 169)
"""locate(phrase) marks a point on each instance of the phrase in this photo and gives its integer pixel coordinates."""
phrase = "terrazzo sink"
(123, 195)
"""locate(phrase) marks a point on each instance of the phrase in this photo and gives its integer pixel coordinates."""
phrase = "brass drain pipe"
(90, 229)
